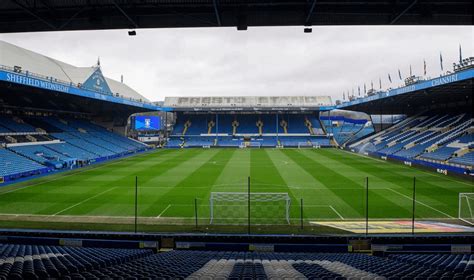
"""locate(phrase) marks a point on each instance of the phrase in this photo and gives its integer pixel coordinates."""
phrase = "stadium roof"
(60, 15)
(447, 92)
(11, 56)
(248, 103)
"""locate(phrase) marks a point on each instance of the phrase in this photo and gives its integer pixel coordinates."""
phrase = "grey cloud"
(260, 61)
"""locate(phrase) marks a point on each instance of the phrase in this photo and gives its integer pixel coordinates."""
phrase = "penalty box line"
(74, 172)
(85, 200)
(329, 206)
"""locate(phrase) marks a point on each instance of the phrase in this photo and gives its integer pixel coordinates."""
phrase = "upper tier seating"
(9, 124)
(296, 123)
(83, 144)
(246, 125)
(72, 151)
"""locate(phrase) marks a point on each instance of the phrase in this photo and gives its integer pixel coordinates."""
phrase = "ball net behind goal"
(232, 208)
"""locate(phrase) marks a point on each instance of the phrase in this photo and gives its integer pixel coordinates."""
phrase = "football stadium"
(99, 182)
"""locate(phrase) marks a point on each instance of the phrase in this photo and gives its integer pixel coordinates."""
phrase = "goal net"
(308, 144)
(250, 145)
(466, 207)
(254, 145)
(265, 208)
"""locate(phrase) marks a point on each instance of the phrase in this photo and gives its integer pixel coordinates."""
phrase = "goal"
(265, 208)
(466, 207)
(308, 145)
(250, 145)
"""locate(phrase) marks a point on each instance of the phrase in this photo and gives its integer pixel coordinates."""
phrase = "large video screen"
(147, 123)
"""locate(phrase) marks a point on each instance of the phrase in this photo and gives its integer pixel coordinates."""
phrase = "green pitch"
(331, 183)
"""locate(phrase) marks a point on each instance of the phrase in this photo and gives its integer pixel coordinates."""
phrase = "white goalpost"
(466, 208)
(255, 145)
(250, 145)
(265, 208)
(308, 145)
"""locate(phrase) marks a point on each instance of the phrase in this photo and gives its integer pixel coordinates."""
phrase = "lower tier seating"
(17, 166)
(262, 141)
(47, 262)
(40, 262)
(47, 143)
(436, 138)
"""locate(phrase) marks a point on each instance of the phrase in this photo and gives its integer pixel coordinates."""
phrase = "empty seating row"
(46, 262)
(80, 141)
(438, 138)
(14, 124)
(197, 124)
(39, 153)
(259, 141)
(12, 164)
(195, 265)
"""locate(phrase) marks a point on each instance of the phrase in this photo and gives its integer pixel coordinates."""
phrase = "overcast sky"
(259, 61)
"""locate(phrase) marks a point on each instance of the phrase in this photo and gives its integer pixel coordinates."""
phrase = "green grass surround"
(331, 182)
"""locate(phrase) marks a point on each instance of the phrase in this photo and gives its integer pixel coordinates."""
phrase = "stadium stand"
(15, 124)
(345, 127)
(40, 261)
(46, 262)
(245, 130)
(13, 166)
(441, 138)
(37, 145)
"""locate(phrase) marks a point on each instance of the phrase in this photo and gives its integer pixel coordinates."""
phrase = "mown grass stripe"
(203, 175)
(122, 179)
(315, 194)
(353, 198)
(443, 199)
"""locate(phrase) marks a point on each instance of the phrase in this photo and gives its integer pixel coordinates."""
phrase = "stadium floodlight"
(466, 207)
(266, 208)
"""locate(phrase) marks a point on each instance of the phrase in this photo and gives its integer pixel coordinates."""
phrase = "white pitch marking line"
(426, 205)
(421, 170)
(330, 206)
(84, 169)
(162, 212)
(337, 213)
(87, 199)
